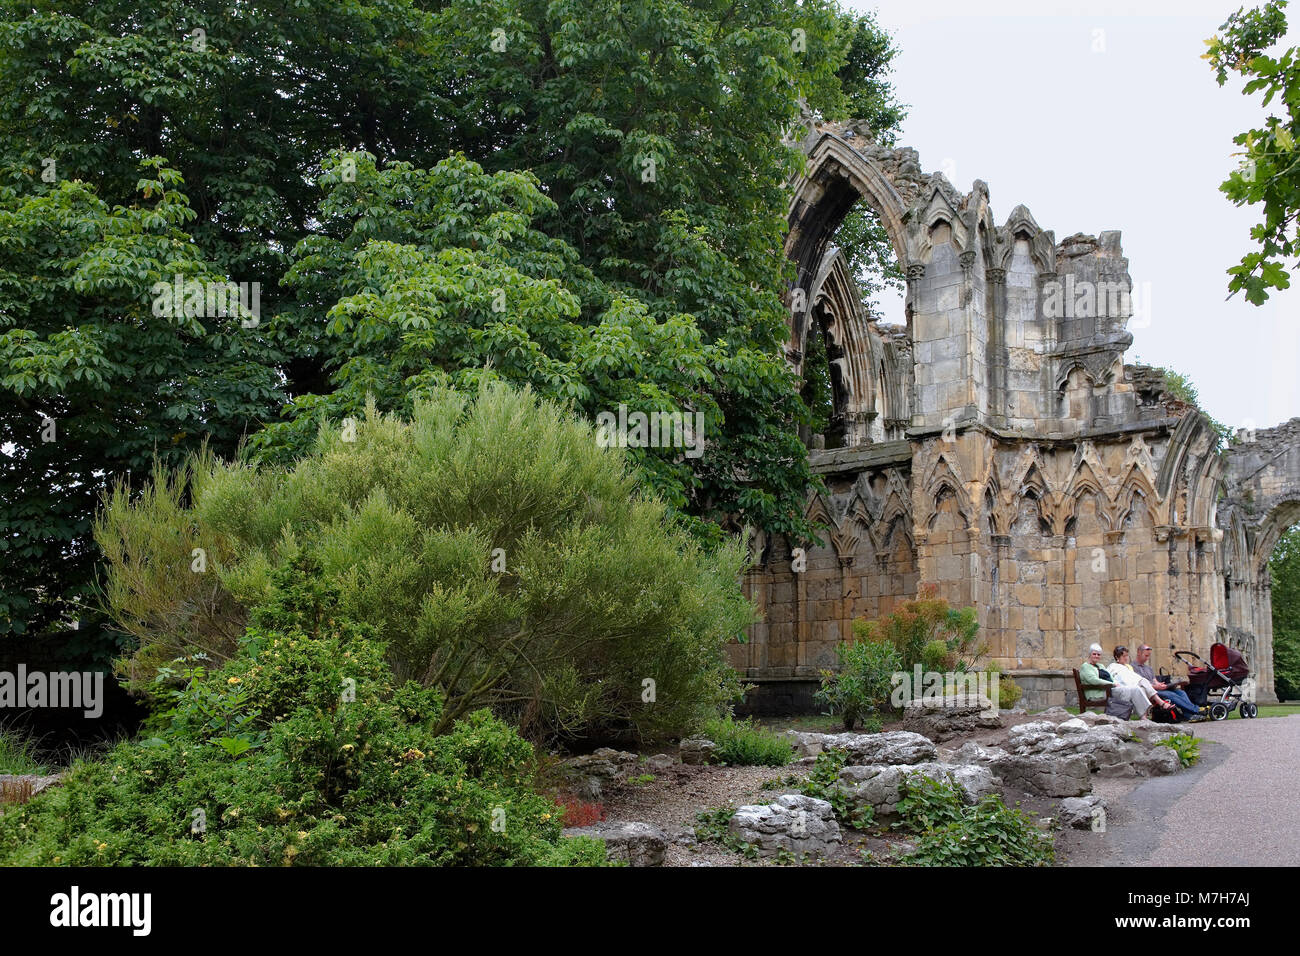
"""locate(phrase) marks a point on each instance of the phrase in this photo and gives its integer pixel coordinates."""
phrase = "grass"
(1278, 710)
(18, 753)
(744, 743)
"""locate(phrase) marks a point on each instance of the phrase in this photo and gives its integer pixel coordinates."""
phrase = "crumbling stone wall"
(999, 448)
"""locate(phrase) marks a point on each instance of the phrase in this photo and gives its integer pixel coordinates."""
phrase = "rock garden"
(954, 781)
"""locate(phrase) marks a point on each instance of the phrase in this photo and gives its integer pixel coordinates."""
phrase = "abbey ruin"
(998, 448)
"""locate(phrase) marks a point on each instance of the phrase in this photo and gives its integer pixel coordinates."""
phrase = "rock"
(795, 823)
(590, 773)
(1030, 735)
(20, 787)
(636, 844)
(1073, 726)
(1052, 775)
(1112, 750)
(1055, 713)
(684, 837)
(894, 747)
(697, 751)
(1083, 813)
(1149, 732)
(880, 787)
(971, 752)
(1158, 762)
(942, 718)
(1092, 718)
(660, 762)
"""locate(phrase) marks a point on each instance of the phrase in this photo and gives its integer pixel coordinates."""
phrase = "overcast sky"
(1103, 116)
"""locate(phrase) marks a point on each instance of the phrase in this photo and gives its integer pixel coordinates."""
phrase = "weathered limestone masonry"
(999, 448)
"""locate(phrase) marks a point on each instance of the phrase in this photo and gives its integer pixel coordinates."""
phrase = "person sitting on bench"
(1130, 687)
(1174, 695)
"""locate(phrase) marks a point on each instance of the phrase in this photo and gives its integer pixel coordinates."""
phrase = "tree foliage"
(1268, 174)
(1284, 566)
(629, 198)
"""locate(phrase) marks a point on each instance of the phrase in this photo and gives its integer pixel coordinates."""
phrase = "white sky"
(1134, 137)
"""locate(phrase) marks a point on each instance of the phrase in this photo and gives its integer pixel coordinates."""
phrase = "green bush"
(500, 555)
(917, 629)
(820, 783)
(302, 749)
(1009, 692)
(743, 743)
(1186, 746)
(952, 834)
(861, 686)
(927, 803)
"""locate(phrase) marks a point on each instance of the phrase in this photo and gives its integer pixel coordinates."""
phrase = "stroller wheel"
(1249, 710)
(1218, 711)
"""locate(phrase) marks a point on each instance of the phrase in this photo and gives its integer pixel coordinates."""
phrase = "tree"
(653, 130)
(1269, 174)
(96, 382)
(1284, 566)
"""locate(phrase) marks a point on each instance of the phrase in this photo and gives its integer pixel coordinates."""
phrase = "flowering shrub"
(347, 770)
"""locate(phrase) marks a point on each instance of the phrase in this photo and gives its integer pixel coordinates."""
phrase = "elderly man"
(1174, 695)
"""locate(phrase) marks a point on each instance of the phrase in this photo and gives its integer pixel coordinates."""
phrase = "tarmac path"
(1238, 806)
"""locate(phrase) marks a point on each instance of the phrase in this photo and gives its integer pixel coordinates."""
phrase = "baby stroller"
(1215, 687)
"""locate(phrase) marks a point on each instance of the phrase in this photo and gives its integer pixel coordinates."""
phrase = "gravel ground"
(1237, 807)
(672, 800)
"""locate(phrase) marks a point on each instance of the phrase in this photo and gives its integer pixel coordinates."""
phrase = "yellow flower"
(233, 680)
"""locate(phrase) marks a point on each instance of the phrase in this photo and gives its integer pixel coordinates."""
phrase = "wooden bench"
(1084, 702)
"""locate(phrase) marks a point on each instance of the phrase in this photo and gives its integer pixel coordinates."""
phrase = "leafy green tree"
(1269, 174)
(95, 382)
(500, 554)
(652, 129)
(1284, 566)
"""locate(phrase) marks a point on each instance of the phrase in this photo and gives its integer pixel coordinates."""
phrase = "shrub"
(927, 803)
(935, 656)
(579, 813)
(1009, 692)
(498, 553)
(953, 834)
(1186, 746)
(820, 783)
(343, 766)
(918, 628)
(861, 686)
(988, 834)
(743, 743)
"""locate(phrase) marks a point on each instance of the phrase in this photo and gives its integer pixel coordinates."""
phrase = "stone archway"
(1262, 500)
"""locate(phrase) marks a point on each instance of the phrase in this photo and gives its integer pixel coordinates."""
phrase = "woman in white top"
(1139, 690)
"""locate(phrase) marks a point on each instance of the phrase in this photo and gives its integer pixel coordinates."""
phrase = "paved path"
(1240, 804)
